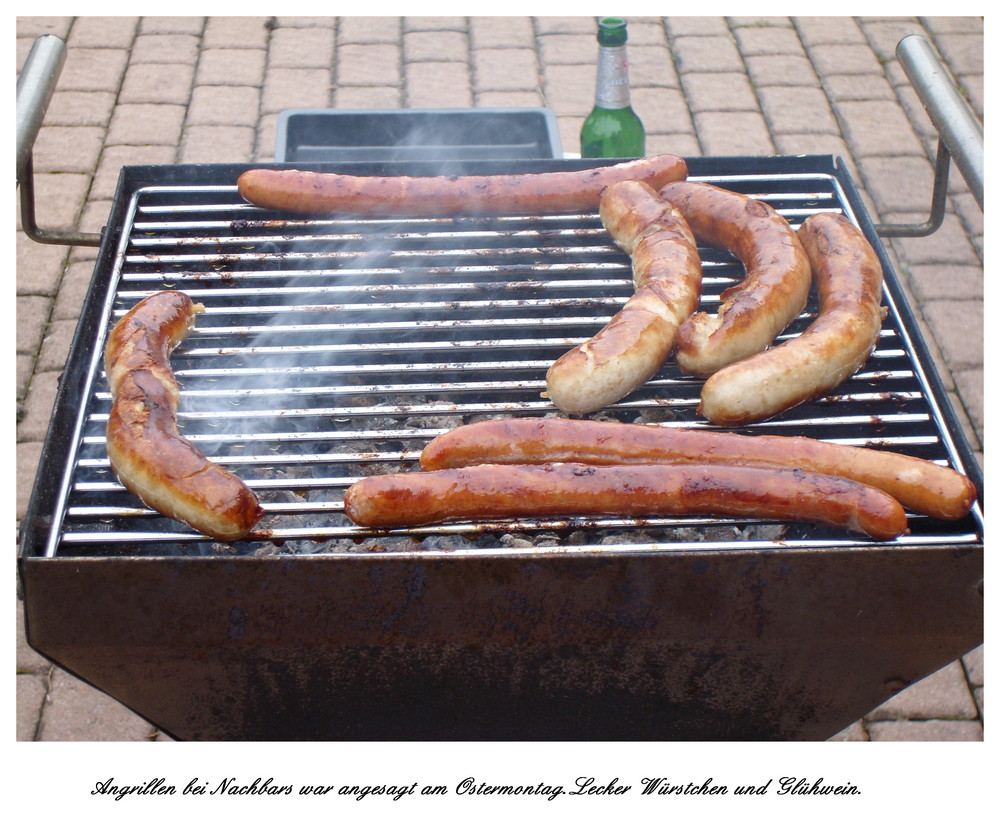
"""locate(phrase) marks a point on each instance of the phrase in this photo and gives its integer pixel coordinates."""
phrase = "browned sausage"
(772, 294)
(154, 462)
(300, 191)
(848, 279)
(666, 270)
(497, 491)
(923, 486)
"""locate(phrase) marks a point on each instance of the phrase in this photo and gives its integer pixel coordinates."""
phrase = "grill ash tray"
(325, 135)
(333, 348)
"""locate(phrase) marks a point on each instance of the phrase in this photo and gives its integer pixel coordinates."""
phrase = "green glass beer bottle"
(612, 130)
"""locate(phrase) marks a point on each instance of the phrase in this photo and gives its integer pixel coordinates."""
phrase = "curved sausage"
(496, 491)
(154, 462)
(848, 279)
(772, 294)
(308, 192)
(920, 485)
(666, 270)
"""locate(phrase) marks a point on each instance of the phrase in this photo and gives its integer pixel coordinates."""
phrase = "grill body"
(332, 349)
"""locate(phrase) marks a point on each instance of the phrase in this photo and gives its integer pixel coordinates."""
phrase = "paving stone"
(29, 661)
(781, 70)
(39, 267)
(962, 52)
(368, 97)
(38, 407)
(165, 48)
(224, 106)
(227, 67)
(55, 345)
(113, 158)
(719, 91)
(509, 99)
(946, 281)
(826, 29)
(841, 59)
(146, 124)
(740, 134)
(567, 48)
(28, 453)
(707, 54)
(947, 244)
(490, 32)
(368, 64)
(172, 25)
(207, 144)
(652, 65)
(440, 23)
(30, 692)
(874, 87)
(157, 83)
(875, 130)
(78, 108)
(797, 110)
(249, 33)
(435, 46)
(29, 27)
(768, 40)
(884, 34)
(681, 25)
(899, 183)
(952, 321)
(73, 290)
(933, 730)
(76, 711)
(569, 90)
(93, 70)
(369, 30)
(288, 89)
(438, 84)
(971, 391)
(103, 31)
(301, 48)
(944, 694)
(494, 69)
(662, 111)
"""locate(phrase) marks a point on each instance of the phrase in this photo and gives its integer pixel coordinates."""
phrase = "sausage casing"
(920, 485)
(848, 280)
(773, 292)
(635, 343)
(147, 453)
(309, 192)
(496, 492)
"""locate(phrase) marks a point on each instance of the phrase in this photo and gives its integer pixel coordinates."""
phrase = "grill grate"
(332, 349)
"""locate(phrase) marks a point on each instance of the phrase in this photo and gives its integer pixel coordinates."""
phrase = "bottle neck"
(612, 78)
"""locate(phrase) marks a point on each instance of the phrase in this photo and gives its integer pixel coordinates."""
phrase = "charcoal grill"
(335, 348)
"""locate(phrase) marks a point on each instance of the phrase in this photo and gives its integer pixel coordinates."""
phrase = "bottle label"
(612, 78)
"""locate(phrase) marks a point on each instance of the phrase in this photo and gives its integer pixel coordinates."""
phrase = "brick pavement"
(163, 90)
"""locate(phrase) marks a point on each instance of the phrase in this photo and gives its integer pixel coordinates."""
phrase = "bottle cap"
(611, 31)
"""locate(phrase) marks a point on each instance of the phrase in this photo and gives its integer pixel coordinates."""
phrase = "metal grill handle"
(960, 134)
(35, 86)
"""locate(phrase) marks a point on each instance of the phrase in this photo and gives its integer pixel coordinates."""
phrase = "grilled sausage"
(848, 279)
(920, 485)
(496, 491)
(154, 462)
(666, 270)
(772, 294)
(300, 191)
